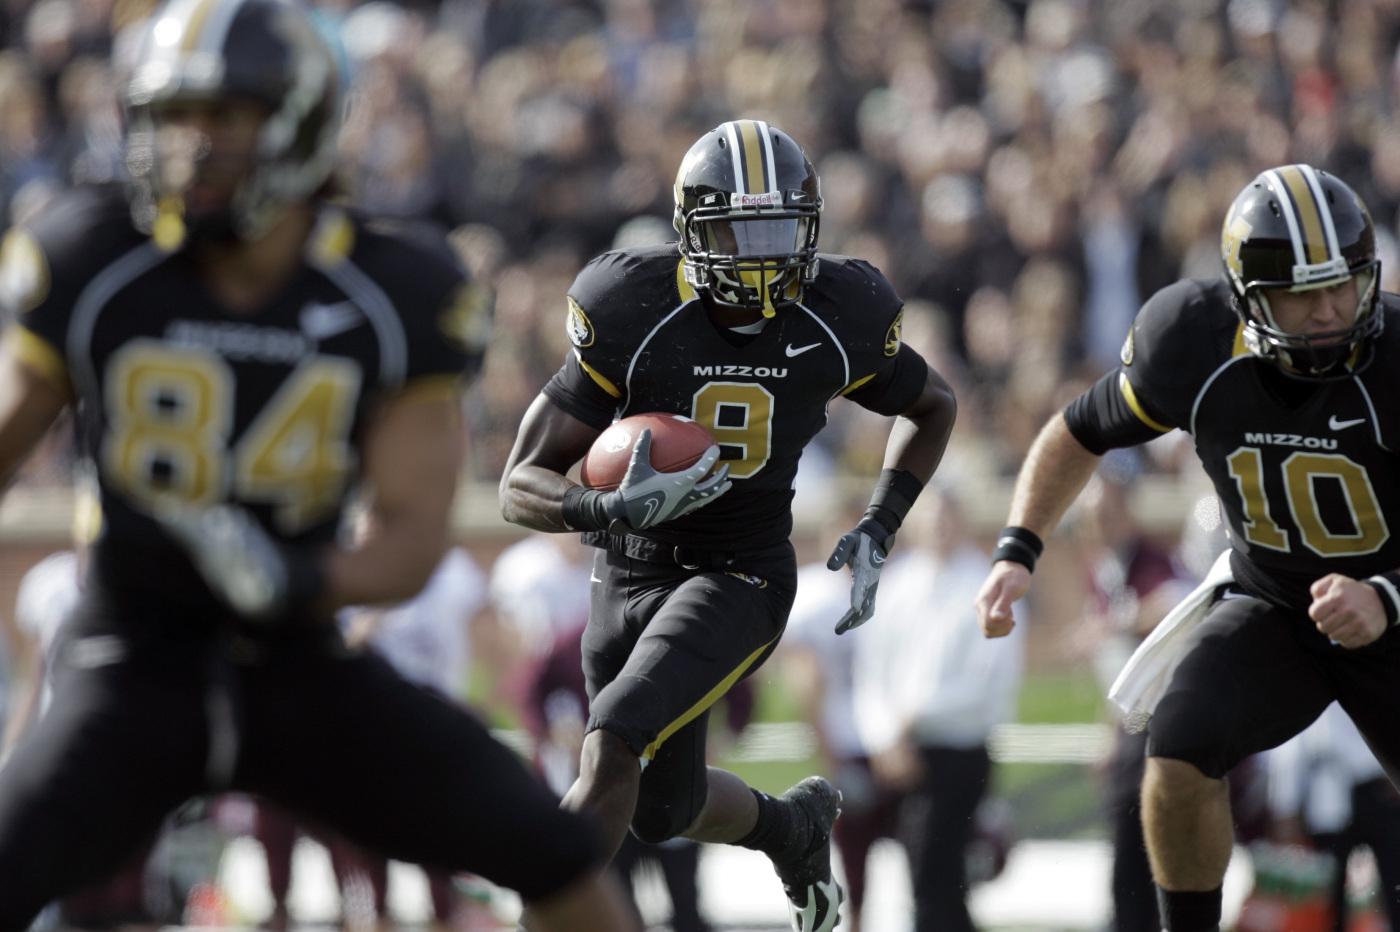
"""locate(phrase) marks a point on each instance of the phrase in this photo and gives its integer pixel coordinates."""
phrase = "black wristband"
(895, 493)
(1387, 586)
(586, 509)
(1019, 545)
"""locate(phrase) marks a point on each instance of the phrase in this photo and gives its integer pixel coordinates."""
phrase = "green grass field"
(1047, 800)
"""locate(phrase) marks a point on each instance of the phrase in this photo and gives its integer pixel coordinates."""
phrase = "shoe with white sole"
(814, 896)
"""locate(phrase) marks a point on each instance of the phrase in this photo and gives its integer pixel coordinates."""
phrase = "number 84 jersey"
(181, 400)
(1306, 471)
(642, 341)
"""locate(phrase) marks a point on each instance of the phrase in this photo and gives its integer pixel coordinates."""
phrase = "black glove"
(863, 549)
(647, 497)
(254, 575)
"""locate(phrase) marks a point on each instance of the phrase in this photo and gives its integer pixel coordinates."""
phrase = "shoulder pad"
(1174, 329)
(859, 303)
(619, 295)
(70, 239)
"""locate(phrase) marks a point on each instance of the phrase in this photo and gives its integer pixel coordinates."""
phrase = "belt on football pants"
(652, 551)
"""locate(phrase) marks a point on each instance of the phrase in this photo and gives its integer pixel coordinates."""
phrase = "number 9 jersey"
(180, 399)
(642, 341)
(1306, 470)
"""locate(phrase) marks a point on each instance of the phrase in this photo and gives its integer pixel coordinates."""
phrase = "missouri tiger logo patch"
(893, 335)
(579, 326)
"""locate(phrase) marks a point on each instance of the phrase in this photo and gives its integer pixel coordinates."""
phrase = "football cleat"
(814, 897)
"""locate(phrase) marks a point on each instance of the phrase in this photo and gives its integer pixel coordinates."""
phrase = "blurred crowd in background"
(1025, 172)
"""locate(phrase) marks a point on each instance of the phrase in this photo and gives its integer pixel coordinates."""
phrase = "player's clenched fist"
(1347, 610)
(1005, 584)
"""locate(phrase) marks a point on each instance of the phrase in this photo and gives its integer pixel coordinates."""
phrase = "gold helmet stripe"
(754, 136)
(1334, 248)
(1280, 189)
(1309, 214)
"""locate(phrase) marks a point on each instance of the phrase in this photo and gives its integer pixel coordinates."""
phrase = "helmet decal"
(1233, 234)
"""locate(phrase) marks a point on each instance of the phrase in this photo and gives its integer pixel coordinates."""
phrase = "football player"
(241, 354)
(1284, 372)
(745, 328)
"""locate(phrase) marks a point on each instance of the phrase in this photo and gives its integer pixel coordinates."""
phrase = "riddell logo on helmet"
(770, 199)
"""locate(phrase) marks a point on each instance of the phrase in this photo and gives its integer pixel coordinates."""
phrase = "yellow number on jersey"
(170, 414)
(738, 414)
(297, 453)
(1300, 474)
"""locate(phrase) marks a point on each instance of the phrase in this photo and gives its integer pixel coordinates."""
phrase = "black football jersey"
(179, 399)
(1306, 471)
(642, 341)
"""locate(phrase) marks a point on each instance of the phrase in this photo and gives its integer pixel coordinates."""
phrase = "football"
(676, 442)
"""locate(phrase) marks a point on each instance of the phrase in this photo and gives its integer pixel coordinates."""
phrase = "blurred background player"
(1133, 583)
(1328, 791)
(48, 595)
(928, 691)
(425, 639)
(816, 667)
(240, 355)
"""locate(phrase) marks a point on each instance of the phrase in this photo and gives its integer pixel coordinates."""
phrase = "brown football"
(676, 442)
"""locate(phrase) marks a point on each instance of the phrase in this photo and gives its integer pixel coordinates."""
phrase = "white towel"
(1145, 676)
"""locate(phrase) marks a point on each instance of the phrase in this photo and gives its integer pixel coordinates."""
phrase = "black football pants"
(1259, 674)
(137, 726)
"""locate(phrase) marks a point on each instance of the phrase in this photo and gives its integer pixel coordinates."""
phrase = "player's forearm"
(920, 435)
(533, 497)
(391, 564)
(1056, 469)
(29, 404)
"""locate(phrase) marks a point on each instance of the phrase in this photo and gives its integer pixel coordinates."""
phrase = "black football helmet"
(266, 51)
(748, 205)
(1300, 228)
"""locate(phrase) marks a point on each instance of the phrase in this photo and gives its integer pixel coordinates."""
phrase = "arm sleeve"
(448, 326)
(1102, 418)
(591, 385)
(886, 376)
(576, 391)
(40, 278)
(1175, 341)
(893, 387)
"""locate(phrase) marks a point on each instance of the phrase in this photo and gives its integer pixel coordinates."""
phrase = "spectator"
(1327, 789)
(928, 691)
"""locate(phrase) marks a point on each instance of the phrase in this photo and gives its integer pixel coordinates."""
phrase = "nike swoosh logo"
(799, 350)
(1335, 424)
(652, 504)
(877, 558)
(321, 321)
